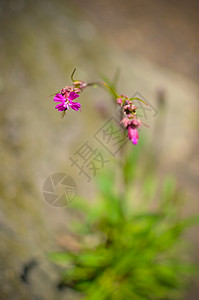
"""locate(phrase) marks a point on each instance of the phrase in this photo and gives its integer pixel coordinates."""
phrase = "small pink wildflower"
(130, 120)
(66, 98)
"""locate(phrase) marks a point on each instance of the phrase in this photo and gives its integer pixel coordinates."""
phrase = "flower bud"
(133, 134)
(119, 101)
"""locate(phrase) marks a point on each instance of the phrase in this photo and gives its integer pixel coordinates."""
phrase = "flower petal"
(59, 98)
(60, 106)
(75, 105)
(133, 135)
(72, 96)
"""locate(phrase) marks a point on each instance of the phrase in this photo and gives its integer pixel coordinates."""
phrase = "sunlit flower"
(66, 98)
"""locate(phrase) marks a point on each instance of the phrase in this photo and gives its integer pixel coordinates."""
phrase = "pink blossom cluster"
(130, 120)
(68, 94)
(65, 100)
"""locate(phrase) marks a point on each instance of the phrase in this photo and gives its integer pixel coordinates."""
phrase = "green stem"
(123, 182)
(95, 83)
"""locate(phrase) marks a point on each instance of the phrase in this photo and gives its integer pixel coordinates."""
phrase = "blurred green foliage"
(132, 244)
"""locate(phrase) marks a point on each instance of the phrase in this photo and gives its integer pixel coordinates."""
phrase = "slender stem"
(122, 172)
(95, 83)
(73, 75)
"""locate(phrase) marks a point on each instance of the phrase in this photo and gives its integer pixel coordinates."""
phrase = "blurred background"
(155, 46)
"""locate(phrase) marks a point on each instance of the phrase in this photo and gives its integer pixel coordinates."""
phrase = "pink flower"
(133, 134)
(119, 101)
(66, 100)
(126, 121)
(129, 108)
(136, 122)
(80, 84)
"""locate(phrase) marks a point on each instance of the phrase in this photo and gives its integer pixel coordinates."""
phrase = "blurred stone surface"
(41, 42)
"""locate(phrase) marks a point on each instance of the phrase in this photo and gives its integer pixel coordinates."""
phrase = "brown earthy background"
(155, 44)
